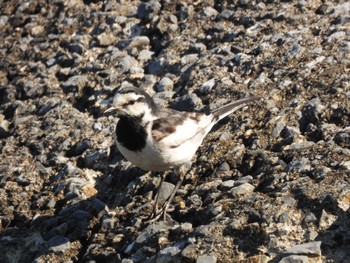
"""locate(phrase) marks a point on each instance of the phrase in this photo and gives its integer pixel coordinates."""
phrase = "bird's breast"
(131, 134)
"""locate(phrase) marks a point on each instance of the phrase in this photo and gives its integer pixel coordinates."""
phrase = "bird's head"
(133, 102)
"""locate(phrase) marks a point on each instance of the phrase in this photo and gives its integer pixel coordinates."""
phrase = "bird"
(159, 139)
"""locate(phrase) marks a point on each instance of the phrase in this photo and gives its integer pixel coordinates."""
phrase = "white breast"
(172, 151)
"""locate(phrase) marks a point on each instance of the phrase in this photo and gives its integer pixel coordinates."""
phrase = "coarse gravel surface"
(271, 183)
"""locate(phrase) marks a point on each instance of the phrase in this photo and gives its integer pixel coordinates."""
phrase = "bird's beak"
(111, 109)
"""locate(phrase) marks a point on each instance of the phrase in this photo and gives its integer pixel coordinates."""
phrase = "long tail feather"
(226, 110)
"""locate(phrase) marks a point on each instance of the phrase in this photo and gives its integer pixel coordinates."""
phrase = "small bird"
(160, 139)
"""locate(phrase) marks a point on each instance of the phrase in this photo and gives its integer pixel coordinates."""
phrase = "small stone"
(294, 259)
(165, 84)
(326, 220)
(100, 208)
(226, 14)
(145, 55)
(75, 82)
(301, 165)
(171, 253)
(210, 12)
(51, 203)
(37, 30)
(206, 259)
(139, 41)
(3, 21)
(227, 185)
(186, 227)
(224, 167)
(278, 128)
(165, 191)
(190, 252)
(58, 244)
(242, 190)
(189, 59)
(320, 173)
(127, 62)
(207, 86)
(151, 231)
(307, 249)
(147, 10)
(309, 218)
(106, 39)
(107, 223)
(187, 102)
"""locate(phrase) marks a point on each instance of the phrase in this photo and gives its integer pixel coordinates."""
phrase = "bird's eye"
(132, 102)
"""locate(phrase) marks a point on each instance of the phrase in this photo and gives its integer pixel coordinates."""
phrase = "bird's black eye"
(132, 102)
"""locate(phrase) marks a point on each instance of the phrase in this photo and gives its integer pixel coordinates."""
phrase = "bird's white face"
(132, 102)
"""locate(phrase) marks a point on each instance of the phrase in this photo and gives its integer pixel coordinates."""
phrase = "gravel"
(269, 184)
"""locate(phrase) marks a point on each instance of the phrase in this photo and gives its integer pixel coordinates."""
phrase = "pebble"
(106, 39)
(206, 259)
(311, 249)
(165, 192)
(58, 244)
(210, 12)
(62, 177)
(242, 190)
(139, 42)
(226, 185)
(165, 84)
(295, 259)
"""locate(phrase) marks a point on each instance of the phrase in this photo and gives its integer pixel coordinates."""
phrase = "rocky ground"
(270, 183)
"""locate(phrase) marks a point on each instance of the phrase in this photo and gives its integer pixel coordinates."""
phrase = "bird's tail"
(227, 109)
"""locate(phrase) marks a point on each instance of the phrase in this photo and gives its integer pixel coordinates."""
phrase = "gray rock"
(242, 190)
(171, 253)
(294, 259)
(342, 139)
(3, 20)
(210, 12)
(187, 102)
(139, 42)
(307, 249)
(75, 82)
(147, 10)
(309, 218)
(227, 185)
(58, 244)
(107, 223)
(150, 231)
(165, 192)
(278, 128)
(165, 84)
(127, 62)
(99, 207)
(190, 252)
(224, 167)
(301, 165)
(76, 48)
(195, 201)
(207, 86)
(206, 259)
(189, 59)
(226, 14)
(301, 145)
(186, 227)
(145, 55)
(106, 39)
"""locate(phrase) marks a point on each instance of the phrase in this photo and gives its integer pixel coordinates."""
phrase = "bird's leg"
(181, 174)
(155, 206)
(182, 170)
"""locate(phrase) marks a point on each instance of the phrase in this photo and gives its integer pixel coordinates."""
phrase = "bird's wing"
(177, 127)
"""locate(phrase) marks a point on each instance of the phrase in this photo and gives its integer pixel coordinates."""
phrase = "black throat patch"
(130, 133)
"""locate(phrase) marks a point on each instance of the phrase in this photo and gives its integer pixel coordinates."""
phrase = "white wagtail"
(160, 139)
